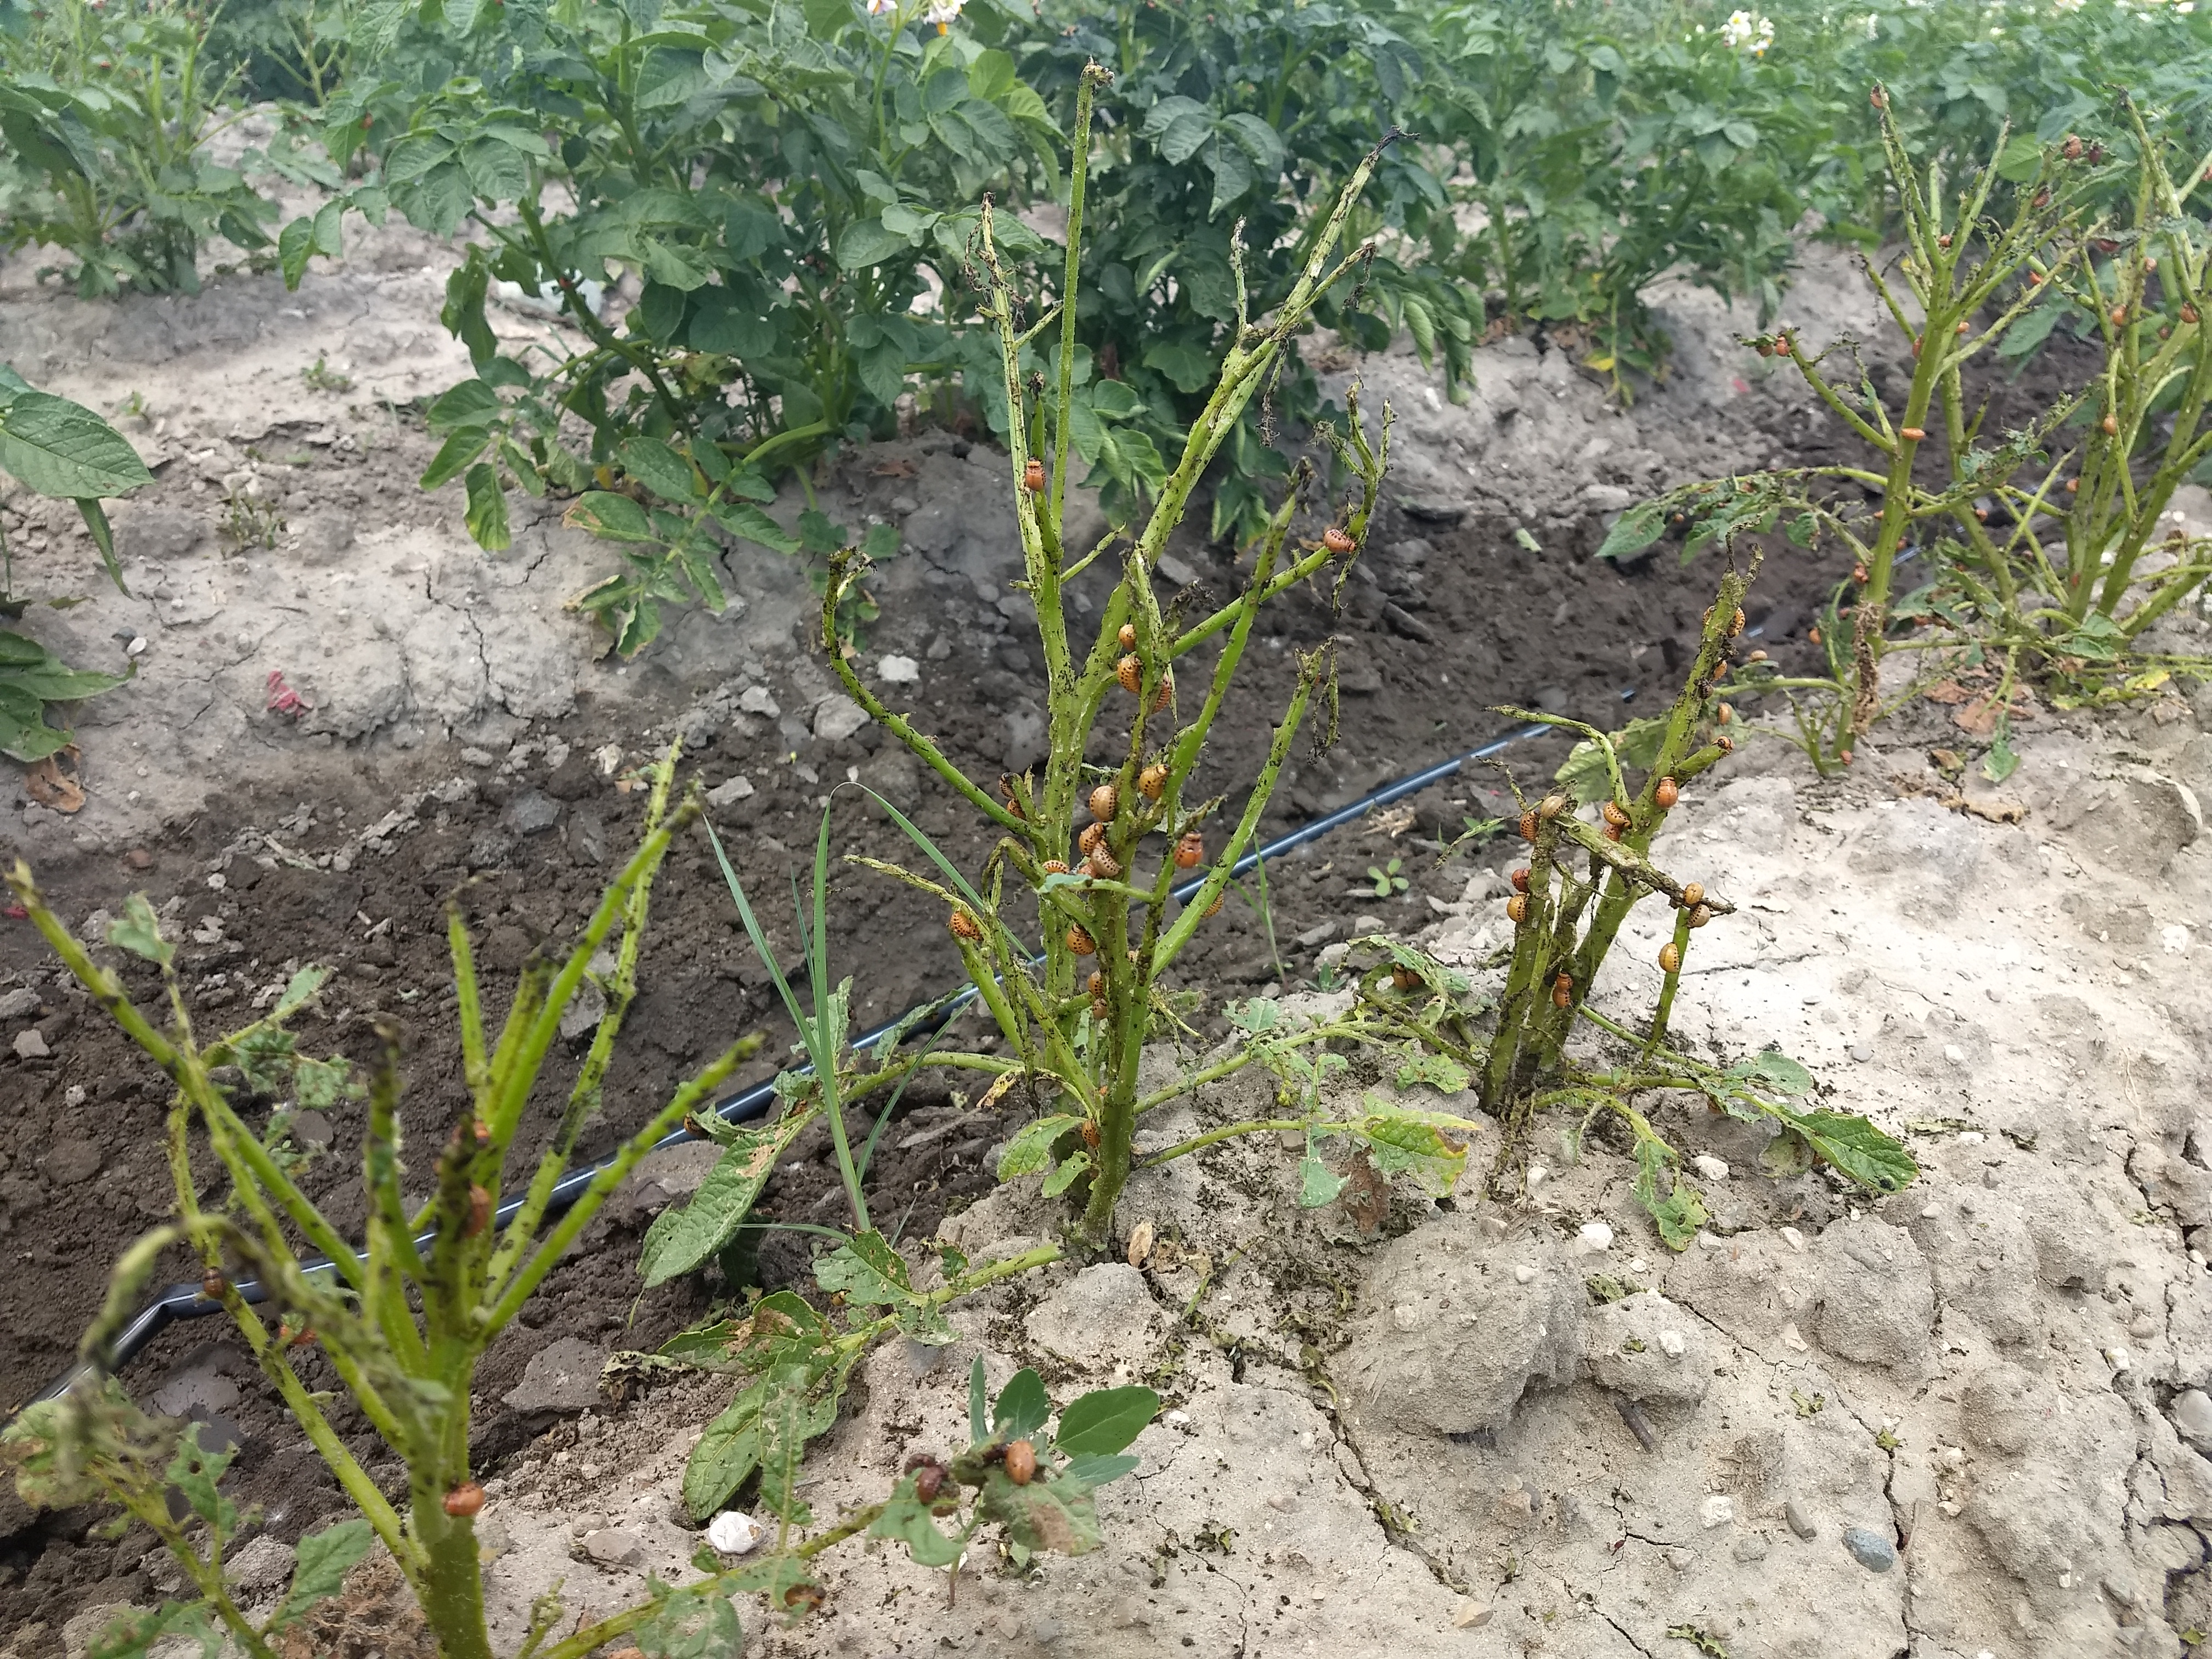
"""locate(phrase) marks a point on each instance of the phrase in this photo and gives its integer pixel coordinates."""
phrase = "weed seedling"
(1385, 880)
(321, 377)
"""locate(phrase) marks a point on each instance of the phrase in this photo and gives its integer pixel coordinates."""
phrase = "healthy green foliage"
(63, 451)
(107, 109)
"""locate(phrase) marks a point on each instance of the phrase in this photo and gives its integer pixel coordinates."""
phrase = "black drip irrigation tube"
(180, 1301)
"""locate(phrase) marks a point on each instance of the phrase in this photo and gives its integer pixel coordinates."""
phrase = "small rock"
(86, 1628)
(731, 792)
(1363, 923)
(1538, 1174)
(530, 813)
(614, 1546)
(1801, 1521)
(2142, 1327)
(1870, 1549)
(15, 1004)
(29, 1045)
(757, 699)
(1472, 1615)
(476, 757)
(1176, 570)
(899, 671)
(734, 1533)
(1861, 1052)
(1749, 1548)
(1596, 1236)
(1794, 1239)
(561, 1376)
(1319, 933)
(263, 1565)
(139, 858)
(838, 717)
(1671, 1343)
(1717, 1511)
(2192, 1415)
(1523, 1274)
(71, 1161)
(1712, 1167)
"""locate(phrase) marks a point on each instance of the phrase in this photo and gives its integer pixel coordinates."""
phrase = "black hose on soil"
(186, 1300)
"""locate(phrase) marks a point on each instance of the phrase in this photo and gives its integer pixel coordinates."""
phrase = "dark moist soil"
(1449, 617)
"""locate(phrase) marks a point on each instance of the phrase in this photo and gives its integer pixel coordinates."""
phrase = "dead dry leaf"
(1392, 821)
(1979, 717)
(1947, 692)
(49, 784)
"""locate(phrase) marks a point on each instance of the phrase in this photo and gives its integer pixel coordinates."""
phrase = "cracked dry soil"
(1397, 1425)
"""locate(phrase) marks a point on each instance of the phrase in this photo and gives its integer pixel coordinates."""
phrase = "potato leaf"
(1105, 1420)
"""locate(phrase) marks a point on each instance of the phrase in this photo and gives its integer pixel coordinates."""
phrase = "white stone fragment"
(734, 1533)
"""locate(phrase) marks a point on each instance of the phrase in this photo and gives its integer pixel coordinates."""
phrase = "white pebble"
(1794, 1239)
(1717, 1511)
(734, 1533)
(2117, 1358)
(1971, 1137)
(1637, 1264)
(1671, 1343)
(1523, 1274)
(1929, 1212)
(2175, 938)
(899, 671)
(1596, 1236)
(136, 647)
(1712, 1167)
(1538, 1174)
(1179, 1420)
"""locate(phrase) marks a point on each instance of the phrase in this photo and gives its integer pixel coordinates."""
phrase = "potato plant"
(2048, 549)
(107, 111)
(399, 1325)
(1569, 904)
(1077, 1016)
(64, 452)
(1961, 264)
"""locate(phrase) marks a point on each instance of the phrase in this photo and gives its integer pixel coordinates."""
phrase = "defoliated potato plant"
(1075, 1016)
(1567, 907)
(398, 1327)
(2046, 550)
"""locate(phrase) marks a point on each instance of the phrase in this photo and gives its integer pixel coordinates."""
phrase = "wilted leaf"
(727, 1452)
(324, 1558)
(679, 1240)
(1317, 1183)
(907, 1518)
(139, 932)
(1057, 1515)
(1403, 1138)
